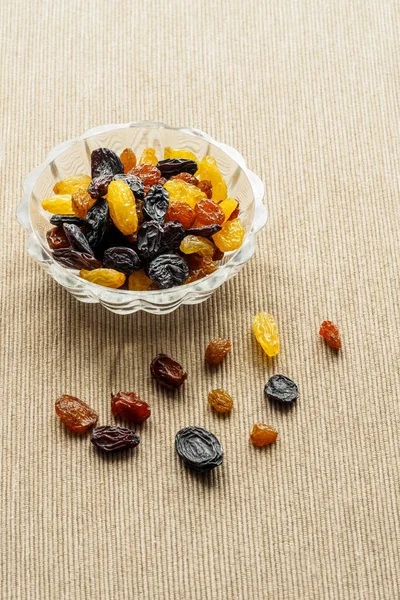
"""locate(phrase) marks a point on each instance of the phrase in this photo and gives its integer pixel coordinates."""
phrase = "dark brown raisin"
(111, 438)
(56, 238)
(167, 372)
(75, 260)
(216, 351)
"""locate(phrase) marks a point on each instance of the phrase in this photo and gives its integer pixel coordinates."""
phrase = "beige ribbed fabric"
(309, 92)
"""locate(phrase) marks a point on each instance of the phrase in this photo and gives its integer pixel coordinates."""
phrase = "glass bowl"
(73, 157)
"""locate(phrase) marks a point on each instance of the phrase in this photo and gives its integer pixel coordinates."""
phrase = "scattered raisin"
(331, 334)
(167, 372)
(199, 449)
(281, 389)
(263, 435)
(216, 351)
(111, 438)
(266, 333)
(220, 401)
(129, 406)
(75, 414)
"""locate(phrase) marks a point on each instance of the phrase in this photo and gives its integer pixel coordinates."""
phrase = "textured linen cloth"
(308, 91)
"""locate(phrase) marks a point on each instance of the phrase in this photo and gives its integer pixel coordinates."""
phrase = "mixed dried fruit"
(331, 334)
(263, 435)
(199, 449)
(147, 216)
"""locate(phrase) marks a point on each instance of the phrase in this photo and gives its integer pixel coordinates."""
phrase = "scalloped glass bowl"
(73, 157)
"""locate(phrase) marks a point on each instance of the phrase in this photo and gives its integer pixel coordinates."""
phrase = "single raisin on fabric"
(134, 182)
(155, 205)
(104, 277)
(216, 351)
(331, 334)
(129, 406)
(77, 238)
(124, 260)
(128, 159)
(208, 170)
(281, 389)
(104, 160)
(220, 401)
(206, 187)
(99, 185)
(194, 244)
(266, 333)
(122, 205)
(182, 212)
(208, 212)
(167, 372)
(58, 205)
(230, 237)
(148, 157)
(56, 238)
(173, 234)
(68, 257)
(72, 184)
(198, 449)
(75, 414)
(168, 270)
(187, 177)
(148, 174)
(204, 230)
(173, 166)
(97, 222)
(149, 239)
(179, 153)
(111, 438)
(263, 435)
(139, 282)
(81, 202)
(59, 220)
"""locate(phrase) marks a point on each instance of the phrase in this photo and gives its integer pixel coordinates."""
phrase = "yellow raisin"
(230, 237)
(81, 202)
(220, 401)
(179, 153)
(128, 159)
(139, 282)
(148, 157)
(192, 244)
(228, 206)
(58, 205)
(72, 184)
(208, 169)
(106, 277)
(179, 190)
(266, 333)
(263, 435)
(122, 205)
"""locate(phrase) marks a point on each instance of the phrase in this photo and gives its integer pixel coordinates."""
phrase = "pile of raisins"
(143, 225)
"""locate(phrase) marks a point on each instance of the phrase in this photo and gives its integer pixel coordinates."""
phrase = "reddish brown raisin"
(263, 435)
(75, 414)
(167, 372)
(200, 267)
(56, 238)
(205, 186)
(331, 335)
(182, 212)
(208, 212)
(129, 406)
(235, 214)
(149, 174)
(128, 159)
(162, 180)
(220, 401)
(81, 202)
(187, 177)
(218, 254)
(216, 351)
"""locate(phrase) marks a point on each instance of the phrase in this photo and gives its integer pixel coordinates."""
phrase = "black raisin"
(155, 205)
(76, 260)
(135, 183)
(122, 259)
(204, 230)
(77, 239)
(149, 239)
(59, 220)
(97, 222)
(104, 160)
(111, 438)
(281, 389)
(173, 166)
(199, 449)
(172, 236)
(168, 270)
(99, 185)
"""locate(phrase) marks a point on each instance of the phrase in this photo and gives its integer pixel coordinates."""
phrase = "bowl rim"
(31, 179)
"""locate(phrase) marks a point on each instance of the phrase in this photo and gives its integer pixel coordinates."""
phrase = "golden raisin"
(105, 277)
(179, 153)
(58, 205)
(266, 333)
(195, 244)
(75, 414)
(72, 184)
(263, 435)
(220, 401)
(228, 207)
(139, 282)
(128, 159)
(122, 205)
(81, 202)
(216, 351)
(148, 157)
(230, 237)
